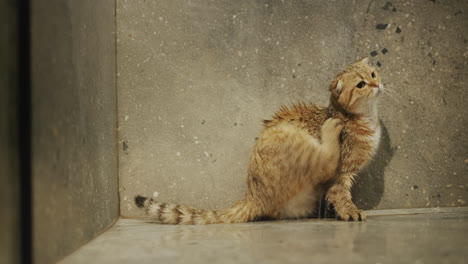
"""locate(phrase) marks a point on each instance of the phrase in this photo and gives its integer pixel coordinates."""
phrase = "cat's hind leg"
(302, 205)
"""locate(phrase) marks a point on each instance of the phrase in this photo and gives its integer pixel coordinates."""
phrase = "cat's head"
(357, 88)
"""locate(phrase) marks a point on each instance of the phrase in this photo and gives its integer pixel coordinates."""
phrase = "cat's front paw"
(351, 214)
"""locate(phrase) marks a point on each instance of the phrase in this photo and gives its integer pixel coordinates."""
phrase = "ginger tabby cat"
(303, 151)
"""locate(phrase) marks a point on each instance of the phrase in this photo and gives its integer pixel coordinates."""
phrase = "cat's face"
(357, 88)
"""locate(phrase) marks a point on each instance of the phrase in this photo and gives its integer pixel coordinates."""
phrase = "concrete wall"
(195, 78)
(9, 164)
(75, 180)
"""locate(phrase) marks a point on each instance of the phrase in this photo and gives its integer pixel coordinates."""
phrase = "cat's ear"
(336, 87)
(339, 86)
(364, 60)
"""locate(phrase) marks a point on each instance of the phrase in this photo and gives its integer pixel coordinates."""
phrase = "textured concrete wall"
(75, 179)
(9, 165)
(196, 77)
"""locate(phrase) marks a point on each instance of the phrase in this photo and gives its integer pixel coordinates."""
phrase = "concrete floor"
(439, 236)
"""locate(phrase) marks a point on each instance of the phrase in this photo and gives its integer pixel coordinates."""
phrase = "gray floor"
(439, 236)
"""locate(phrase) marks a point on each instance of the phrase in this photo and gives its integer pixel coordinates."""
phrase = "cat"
(302, 152)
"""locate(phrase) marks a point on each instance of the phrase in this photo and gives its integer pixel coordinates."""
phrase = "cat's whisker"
(391, 96)
(391, 91)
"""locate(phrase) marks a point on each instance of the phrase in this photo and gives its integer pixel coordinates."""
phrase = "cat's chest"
(375, 139)
(360, 142)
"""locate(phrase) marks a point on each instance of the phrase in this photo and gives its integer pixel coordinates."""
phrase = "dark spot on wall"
(436, 195)
(203, 122)
(458, 13)
(433, 61)
(214, 160)
(415, 187)
(299, 64)
(235, 123)
(433, 1)
(379, 64)
(140, 201)
(394, 9)
(256, 138)
(398, 30)
(384, 51)
(294, 76)
(125, 145)
(406, 194)
(373, 53)
(387, 6)
(381, 26)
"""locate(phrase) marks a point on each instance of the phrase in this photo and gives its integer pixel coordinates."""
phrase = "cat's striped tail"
(243, 211)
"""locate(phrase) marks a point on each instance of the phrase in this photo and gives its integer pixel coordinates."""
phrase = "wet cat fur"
(303, 151)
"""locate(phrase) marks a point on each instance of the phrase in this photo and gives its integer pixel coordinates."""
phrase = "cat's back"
(304, 116)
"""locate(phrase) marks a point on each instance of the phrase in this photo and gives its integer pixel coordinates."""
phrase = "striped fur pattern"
(302, 152)
(164, 213)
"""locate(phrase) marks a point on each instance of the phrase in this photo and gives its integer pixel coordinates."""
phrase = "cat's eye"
(373, 75)
(361, 84)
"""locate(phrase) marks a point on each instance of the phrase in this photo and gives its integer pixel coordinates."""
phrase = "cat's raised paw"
(332, 126)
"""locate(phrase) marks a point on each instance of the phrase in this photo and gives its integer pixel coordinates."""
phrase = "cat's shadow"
(369, 185)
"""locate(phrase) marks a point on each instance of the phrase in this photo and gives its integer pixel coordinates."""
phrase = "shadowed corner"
(140, 201)
(369, 185)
